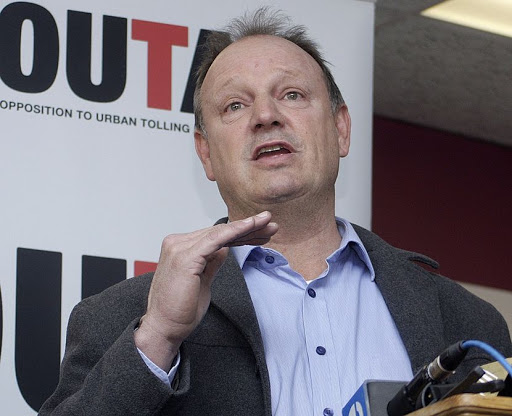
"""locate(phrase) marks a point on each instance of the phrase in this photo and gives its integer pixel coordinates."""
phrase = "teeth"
(269, 149)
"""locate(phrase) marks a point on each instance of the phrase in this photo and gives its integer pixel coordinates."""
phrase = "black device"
(405, 401)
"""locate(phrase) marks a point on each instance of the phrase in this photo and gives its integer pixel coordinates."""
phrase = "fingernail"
(263, 214)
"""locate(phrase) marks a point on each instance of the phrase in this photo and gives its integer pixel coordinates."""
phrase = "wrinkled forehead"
(261, 54)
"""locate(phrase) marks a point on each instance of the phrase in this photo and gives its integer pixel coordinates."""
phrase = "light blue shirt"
(324, 338)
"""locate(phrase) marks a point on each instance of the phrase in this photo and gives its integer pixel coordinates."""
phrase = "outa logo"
(160, 39)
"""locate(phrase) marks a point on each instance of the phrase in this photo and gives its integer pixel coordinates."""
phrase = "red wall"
(445, 196)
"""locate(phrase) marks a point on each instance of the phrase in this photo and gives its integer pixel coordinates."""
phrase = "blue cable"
(489, 350)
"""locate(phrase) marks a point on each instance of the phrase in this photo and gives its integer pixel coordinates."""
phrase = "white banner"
(97, 161)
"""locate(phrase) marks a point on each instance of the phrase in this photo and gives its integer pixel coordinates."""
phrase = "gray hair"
(263, 21)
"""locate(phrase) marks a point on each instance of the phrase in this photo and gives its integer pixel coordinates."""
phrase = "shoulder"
(387, 258)
(462, 313)
(384, 253)
(410, 267)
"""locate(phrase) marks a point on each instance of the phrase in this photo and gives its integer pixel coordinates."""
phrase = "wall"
(448, 197)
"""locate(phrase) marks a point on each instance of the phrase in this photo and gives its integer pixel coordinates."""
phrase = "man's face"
(271, 133)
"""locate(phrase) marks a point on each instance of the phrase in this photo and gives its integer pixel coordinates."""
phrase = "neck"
(306, 237)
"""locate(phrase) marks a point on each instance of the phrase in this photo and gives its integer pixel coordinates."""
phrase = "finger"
(256, 221)
(222, 235)
(258, 237)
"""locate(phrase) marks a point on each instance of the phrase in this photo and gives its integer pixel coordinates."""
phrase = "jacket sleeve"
(102, 372)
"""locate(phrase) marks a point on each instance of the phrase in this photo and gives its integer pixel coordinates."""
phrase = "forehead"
(261, 55)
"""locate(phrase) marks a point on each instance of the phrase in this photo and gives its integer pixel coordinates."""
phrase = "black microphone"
(444, 365)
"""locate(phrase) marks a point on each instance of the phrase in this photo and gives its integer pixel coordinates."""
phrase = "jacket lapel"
(231, 296)
(411, 297)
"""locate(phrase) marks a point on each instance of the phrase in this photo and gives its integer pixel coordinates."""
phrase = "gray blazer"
(223, 370)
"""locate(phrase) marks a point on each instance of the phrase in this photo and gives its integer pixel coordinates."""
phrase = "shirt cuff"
(166, 378)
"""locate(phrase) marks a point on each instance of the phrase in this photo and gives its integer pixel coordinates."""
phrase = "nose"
(266, 113)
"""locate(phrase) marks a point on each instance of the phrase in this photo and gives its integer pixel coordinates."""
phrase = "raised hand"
(180, 292)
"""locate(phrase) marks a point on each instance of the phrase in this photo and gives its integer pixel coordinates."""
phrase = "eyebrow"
(280, 74)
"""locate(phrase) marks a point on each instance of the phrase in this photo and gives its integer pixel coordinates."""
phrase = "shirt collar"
(349, 237)
(241, 253)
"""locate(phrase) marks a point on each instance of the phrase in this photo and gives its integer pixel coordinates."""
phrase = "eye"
(293, 95)
(234, 106)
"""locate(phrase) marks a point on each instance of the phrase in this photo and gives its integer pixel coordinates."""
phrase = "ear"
(342, 120)
(203, 151)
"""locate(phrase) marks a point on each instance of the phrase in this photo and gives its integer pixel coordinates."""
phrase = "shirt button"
(328, 412)
(320, 350)
(311, 293)
(269, 259)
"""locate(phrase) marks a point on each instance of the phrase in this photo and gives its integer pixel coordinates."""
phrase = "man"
(303, 307)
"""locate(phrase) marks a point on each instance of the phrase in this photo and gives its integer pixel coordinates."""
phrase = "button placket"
(317, 331)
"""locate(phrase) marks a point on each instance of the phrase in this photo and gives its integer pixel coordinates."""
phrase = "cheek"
(224, 157)
(320, 133)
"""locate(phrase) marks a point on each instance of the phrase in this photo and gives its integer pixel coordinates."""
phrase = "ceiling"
(442, 75)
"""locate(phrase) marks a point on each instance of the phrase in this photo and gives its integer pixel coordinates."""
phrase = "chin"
(280, 195)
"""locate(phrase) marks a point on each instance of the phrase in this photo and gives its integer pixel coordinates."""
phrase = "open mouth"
(274, 150)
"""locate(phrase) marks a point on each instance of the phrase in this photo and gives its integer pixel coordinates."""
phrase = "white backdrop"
(89, 187)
